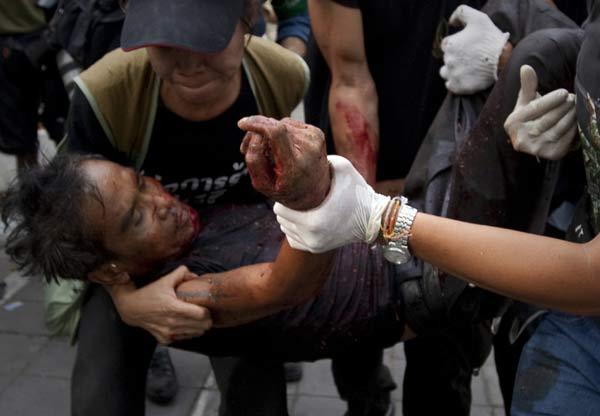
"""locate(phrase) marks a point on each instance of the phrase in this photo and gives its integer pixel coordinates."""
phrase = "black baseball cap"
(199, 25)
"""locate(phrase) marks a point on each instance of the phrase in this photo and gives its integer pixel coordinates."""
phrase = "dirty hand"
(350, 213)
(287, 160)
(471, 55)
(542, 126)
(156, 309)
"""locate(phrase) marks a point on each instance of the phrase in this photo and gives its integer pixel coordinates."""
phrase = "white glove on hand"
(471, 55)
(350, 213)
(542, 126)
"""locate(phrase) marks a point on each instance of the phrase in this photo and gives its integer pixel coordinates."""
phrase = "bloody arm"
(287, 162)
(353, 102)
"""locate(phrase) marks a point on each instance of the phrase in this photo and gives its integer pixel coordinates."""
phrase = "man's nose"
(164, 206)
(191, 61)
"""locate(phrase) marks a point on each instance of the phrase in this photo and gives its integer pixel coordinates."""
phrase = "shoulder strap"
(123, 84)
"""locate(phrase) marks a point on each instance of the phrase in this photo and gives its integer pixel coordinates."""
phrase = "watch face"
(396, 255)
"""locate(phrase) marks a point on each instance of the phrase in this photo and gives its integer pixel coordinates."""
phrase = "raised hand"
(287, 160)
(471, 55)
(542, 126)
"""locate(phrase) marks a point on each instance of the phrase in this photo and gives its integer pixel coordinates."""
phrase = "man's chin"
(187, 245)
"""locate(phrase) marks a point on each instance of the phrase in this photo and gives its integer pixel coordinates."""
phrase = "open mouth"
(195, 220)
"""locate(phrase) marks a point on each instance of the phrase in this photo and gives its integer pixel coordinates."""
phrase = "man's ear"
(109, 274)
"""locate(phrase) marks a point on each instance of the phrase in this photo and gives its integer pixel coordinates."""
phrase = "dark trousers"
(365, 382)
(109, 375)
(439, 367)
(24, 87)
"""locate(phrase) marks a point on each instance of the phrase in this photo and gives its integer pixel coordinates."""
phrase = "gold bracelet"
(388, 231)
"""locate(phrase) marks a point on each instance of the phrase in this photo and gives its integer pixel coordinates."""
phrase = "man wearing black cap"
(169, 107)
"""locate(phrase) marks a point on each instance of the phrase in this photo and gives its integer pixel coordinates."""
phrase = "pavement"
(35, 368)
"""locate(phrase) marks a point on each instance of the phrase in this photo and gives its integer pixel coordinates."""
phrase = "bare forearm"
(252, 292)
(355, 125)
(544, 271)
(352, 96)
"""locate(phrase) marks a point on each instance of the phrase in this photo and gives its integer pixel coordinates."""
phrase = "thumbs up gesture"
(542, 126)
(471, 55)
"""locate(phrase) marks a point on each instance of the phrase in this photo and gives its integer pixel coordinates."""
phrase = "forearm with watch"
(522, 266)
(351, 212)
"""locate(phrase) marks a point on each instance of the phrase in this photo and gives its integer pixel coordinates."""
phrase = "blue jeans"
(559, 371)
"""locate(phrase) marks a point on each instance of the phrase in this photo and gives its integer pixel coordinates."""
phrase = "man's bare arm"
(353, 102)
(281, 156)
(248, 293)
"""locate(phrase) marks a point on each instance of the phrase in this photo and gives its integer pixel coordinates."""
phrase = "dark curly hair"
(42, 212)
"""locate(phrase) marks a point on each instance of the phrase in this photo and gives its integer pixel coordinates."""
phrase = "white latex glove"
(542, 126)
(471, 55)
(350, 213)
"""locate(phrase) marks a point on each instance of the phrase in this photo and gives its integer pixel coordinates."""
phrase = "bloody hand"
(287, 161)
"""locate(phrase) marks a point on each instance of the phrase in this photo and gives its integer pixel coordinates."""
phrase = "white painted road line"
(200, 407)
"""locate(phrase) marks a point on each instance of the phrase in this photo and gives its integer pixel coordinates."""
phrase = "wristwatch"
(396, 251)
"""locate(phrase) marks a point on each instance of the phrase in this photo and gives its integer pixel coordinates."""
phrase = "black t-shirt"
(199, 162)
(399, 40)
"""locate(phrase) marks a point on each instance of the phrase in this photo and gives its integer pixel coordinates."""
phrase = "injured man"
(82, 217)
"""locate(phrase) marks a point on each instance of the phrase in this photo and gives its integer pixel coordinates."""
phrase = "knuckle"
(517, 144)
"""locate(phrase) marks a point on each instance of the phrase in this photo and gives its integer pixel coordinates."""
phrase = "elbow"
(276, 297)
(359, 80)
(299, 297)
(286, 299)
(307, 291)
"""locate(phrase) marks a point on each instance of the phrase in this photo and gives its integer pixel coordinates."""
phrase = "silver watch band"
(396, 250)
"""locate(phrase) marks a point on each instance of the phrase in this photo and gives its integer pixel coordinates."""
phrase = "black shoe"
(293, 372)
(161, 381)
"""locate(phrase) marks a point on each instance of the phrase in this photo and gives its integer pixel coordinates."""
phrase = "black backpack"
(87, 29)
(435, 300)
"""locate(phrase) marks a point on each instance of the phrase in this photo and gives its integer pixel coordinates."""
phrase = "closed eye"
(138, 218)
